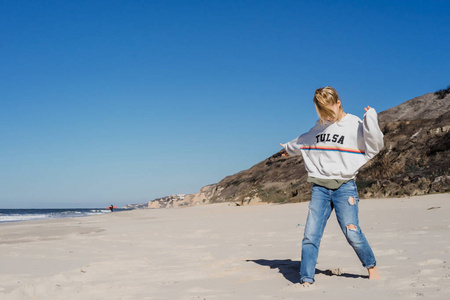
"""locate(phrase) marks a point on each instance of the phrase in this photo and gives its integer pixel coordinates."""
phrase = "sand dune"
(224, 252)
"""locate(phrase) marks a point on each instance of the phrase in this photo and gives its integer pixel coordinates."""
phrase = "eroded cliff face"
(168, 202)
(173, 201)
(202, 197)
(414, 161)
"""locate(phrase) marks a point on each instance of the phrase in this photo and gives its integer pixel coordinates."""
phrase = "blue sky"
(125, 101)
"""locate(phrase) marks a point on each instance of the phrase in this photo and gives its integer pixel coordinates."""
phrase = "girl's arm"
(373, 137)
(292, 148)
(285, 154)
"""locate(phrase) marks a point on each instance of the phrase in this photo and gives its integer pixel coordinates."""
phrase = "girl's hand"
(366, 108)
(284, 154)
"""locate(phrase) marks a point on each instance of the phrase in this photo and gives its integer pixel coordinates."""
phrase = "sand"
(226, 252)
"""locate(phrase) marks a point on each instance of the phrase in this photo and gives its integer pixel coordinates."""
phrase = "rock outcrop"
(202, 197)
(169, 202)
(135, 206)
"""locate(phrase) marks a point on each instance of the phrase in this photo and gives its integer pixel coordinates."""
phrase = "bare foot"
(373, 273)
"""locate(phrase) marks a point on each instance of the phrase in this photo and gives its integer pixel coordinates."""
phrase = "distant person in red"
(111, 208)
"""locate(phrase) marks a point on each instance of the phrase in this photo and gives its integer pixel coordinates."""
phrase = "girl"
(333, 151)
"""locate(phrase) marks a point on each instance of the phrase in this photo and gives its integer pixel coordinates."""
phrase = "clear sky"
(125, 101)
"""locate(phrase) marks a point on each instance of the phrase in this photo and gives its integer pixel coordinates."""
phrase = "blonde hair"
(324, 97)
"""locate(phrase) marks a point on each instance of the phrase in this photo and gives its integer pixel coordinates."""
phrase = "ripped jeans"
(345, 201)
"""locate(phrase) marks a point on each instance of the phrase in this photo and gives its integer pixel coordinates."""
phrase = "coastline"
(219, 251)
(32, 214)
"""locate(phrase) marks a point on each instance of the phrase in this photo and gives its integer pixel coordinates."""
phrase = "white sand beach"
(226, 252)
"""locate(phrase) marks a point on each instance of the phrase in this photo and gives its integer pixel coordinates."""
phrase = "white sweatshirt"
(339, 149)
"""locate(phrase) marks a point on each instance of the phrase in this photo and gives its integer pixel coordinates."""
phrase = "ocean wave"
(19, 215)
(22, 217)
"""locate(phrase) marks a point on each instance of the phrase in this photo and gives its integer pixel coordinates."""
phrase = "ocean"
(21, 215)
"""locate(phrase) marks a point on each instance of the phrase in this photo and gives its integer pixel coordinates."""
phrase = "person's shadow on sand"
(291, 269)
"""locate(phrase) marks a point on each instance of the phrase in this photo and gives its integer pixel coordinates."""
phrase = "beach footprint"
(432, 262)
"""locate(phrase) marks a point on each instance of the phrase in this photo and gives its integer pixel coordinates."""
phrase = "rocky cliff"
(169, 202)
(414, 161)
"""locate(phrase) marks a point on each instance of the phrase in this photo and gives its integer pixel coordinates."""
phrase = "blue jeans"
(345, 201)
